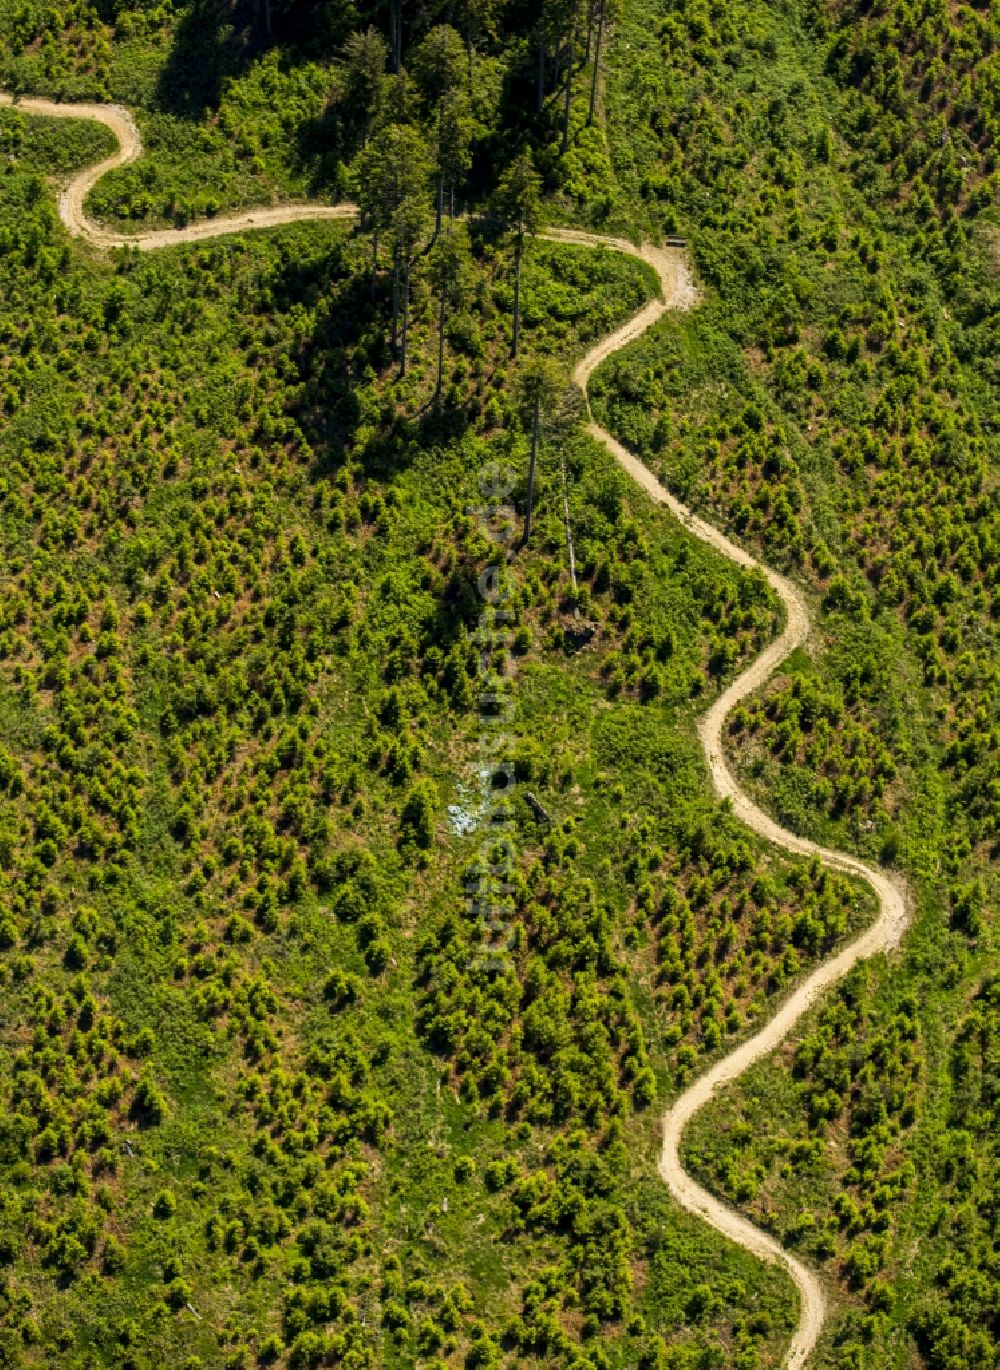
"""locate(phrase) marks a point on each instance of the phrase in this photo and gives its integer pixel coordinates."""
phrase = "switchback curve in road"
(121, 123)
(678, 291)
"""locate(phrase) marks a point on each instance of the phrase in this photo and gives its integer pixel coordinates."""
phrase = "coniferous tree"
(440, 71)
(540, 384)
(407, 226)
(518, 204)
(569, 19)
(365, 57)
(392, 176)
(449, 265)
(601, 14)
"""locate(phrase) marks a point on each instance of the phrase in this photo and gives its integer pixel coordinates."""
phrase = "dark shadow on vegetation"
(217, 40)
(351, 336)
(348, 337)
(323, 148)
(213, 42)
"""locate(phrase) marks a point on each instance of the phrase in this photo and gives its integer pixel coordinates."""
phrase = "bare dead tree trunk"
(597, 64)
(530, 499)
(540, 83)
(569, 96)
(374, 262)
(395, 35)
(406, 316)
(395, 301)
(518, 248)
(442, 313)
(569, 531)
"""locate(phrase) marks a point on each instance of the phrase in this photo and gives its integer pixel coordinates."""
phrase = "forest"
(264, 1100)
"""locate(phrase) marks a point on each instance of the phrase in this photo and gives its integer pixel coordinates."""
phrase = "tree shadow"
(330, 362)
(348, 344)
(218, 40)
(213, 42)
(323, 147)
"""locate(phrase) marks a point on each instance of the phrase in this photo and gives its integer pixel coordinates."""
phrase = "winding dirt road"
(123, 126)
(678, 291)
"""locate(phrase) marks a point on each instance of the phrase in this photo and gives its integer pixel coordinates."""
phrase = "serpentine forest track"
(122, 125)
(677, 292)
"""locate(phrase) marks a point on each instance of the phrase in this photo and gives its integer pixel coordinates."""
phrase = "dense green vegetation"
(836, 406)
(245, 1033)
(51, 148)
(260, 1100)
